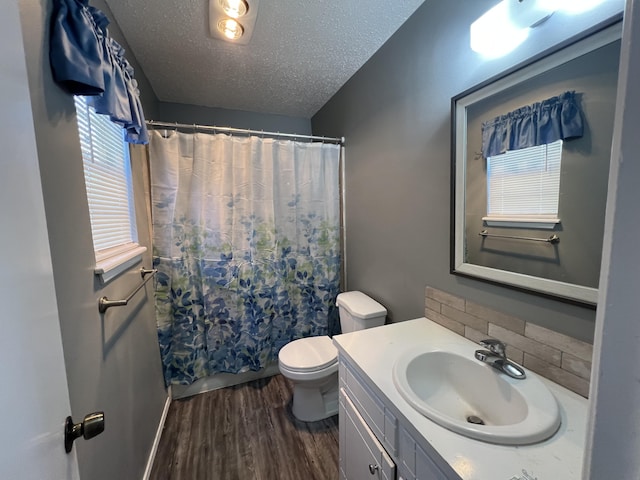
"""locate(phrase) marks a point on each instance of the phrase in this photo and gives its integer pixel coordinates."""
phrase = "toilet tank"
(358, 311)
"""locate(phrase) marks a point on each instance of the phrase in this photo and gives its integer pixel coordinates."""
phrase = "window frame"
(115, 259)
(523, 219)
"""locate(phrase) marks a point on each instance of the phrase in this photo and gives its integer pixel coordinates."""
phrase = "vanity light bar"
(504, 27)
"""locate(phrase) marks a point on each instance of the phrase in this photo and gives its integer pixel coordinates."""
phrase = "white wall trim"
(117, 261)
(531, 221)
(156, 440)
(613, 441)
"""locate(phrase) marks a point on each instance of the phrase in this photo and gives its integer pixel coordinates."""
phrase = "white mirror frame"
(460, 103)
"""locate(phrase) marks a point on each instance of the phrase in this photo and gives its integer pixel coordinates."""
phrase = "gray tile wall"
(560, 358)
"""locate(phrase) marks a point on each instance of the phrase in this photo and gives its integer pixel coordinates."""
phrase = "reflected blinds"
(525, 182)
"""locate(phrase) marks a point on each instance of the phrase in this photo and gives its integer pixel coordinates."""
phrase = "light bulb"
(234, 8)
(230, 28)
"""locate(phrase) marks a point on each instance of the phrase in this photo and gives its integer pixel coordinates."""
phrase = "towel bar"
(104, 303)
(552, 239)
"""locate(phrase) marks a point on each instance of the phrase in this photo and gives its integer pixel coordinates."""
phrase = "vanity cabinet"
(414, 463)
(361, 455)
(374, 443)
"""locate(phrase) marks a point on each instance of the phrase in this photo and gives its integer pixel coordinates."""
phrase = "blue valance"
(557, 118)
(85, 60)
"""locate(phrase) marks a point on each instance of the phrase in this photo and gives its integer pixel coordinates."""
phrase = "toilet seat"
(307, 355)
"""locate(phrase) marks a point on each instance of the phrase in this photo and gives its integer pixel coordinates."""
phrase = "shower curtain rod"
(176, 125)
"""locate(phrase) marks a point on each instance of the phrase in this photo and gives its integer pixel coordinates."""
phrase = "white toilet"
(312, 363)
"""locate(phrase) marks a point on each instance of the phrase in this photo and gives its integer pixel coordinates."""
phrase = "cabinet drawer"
(362, 457)
(380, 419)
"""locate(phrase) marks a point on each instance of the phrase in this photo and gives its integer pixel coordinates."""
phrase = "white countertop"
(374, 352)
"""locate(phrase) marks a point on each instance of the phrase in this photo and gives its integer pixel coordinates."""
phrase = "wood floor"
(245, 432)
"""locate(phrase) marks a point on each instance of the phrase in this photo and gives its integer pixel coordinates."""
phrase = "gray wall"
(221, 117)
(583, 183)
(112, 361)
(395, 115)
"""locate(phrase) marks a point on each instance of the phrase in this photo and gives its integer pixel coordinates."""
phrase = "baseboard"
(222, 380)
(156, 440)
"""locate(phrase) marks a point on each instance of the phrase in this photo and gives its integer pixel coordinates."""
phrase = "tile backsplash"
(560, 358)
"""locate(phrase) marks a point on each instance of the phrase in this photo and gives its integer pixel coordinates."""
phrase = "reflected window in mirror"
(523, 187)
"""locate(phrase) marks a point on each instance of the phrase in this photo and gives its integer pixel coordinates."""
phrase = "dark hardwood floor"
(245, 432)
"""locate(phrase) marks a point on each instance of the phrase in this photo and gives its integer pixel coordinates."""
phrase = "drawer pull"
(373, 469)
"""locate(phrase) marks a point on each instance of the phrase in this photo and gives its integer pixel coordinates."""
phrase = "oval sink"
(471, 398)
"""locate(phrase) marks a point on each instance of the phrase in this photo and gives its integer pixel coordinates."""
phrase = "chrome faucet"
(496, 357)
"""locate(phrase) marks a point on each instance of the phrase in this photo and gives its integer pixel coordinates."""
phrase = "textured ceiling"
(301, 52)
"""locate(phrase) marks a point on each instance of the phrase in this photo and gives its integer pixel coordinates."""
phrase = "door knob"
(91, 425)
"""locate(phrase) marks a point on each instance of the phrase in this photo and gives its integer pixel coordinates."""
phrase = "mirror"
(554, 253)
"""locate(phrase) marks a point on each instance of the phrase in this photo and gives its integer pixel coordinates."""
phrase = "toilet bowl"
(312, 363)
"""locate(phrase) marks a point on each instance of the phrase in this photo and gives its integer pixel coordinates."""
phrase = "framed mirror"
(530, 165)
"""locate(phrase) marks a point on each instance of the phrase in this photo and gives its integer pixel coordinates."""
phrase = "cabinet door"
(425, 467)
(362, 456)
(414, 463)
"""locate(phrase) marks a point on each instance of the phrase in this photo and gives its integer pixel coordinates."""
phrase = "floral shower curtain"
(247, 246)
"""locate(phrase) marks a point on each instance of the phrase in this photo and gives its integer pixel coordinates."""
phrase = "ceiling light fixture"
(233, 20)
(230, 28)
(234, 8)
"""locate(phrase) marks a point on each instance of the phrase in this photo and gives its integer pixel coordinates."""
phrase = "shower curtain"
(246, 240)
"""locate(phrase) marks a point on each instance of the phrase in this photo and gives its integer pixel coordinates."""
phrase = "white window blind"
(107, 173)
(524, 183)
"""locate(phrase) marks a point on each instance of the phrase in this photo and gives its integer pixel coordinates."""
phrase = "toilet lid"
(307, 354)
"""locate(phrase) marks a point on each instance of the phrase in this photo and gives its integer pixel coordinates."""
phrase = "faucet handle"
(496, 346)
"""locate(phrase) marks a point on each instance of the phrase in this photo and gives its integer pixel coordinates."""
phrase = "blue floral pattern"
(242, 276)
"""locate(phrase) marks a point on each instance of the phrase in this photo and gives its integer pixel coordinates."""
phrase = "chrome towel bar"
(552, 239)
(104, 303)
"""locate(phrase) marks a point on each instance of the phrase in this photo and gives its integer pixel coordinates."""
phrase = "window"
(523, 186)
(107, 174)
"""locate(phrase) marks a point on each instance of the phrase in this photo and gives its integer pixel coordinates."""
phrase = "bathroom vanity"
(382, 436)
